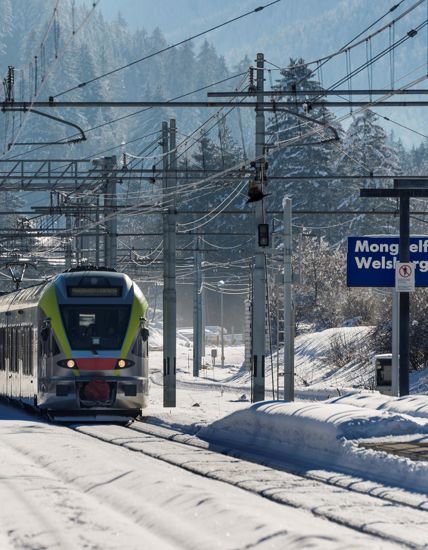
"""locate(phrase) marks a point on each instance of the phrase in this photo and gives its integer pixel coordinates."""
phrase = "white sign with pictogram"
(405, 276)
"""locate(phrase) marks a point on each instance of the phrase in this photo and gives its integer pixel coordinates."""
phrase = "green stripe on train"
(49, 304)
(139, 308)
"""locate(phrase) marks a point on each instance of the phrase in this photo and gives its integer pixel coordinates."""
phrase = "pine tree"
(301, 147)
(367, 151)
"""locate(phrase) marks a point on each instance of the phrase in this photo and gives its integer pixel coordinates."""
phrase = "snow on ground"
(67, 490)
(215, 407)
(219, 391)
(324, 434)
(312, 366)
(411, 405)
(63, 489)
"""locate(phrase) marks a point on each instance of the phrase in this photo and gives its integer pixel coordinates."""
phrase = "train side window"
(16, 350)
(27, 365)
(24, 350)
(20, 347)
(2, 349)
(13, 357)
(30, 350)
(7, 344)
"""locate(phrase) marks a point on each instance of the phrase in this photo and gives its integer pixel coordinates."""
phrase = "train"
(76, 346)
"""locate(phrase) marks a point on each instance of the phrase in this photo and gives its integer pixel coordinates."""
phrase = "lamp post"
(221, 285)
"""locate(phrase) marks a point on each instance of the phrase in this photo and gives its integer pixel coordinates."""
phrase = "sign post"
(404, 189)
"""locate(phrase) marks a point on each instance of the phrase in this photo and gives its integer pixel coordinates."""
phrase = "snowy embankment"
(409, 405)
(323, 435)
(315, 368)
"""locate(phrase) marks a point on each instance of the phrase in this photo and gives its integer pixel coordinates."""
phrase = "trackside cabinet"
(383, 372)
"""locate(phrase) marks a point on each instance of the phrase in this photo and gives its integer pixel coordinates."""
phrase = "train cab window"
(95, 327)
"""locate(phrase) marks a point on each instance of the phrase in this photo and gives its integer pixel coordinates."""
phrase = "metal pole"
(404, 298)
(110, 209)
(203, 304)
(169, 293)
(68, 246)
(395, 341)
(222, 325)
(77, 239)
(97, 230)
(197, 311)
(247, 332)
(107, 248)
(288, 306)
(113, 219)
(259, 273)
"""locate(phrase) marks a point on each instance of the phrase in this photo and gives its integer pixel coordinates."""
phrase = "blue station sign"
(371, 260)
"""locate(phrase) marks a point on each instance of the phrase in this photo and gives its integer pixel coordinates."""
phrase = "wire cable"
(149, 56)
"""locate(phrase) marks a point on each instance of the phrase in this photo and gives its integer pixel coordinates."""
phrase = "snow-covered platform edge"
(324, 435)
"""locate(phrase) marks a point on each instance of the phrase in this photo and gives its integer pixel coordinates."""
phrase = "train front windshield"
(95, 327)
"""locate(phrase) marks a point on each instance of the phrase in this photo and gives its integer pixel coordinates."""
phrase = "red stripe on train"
(99, 363)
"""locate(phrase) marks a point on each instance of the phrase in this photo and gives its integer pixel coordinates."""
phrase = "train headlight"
(121, 363)
(71, 364)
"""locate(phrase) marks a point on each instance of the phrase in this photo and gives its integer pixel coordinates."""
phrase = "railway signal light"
(263, 234)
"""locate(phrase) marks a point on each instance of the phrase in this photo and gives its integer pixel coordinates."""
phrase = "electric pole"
(259, 271)
(97, 231)
(169, 264)
(68, 245)
(197, 310)
(288, 306)
(110, 209)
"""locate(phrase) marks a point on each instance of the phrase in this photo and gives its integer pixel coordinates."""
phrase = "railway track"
(387, 514)
(90, 493)
(385, 517)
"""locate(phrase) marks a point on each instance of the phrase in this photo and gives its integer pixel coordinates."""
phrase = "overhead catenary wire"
(351, 45)
(56, 61)
(135, 113)
(167, 48)
(394, 20)
(320, 63)
(286, 142)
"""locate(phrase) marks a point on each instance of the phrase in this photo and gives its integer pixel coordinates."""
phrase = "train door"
(26, 373)
(34, 362)
(45, 355)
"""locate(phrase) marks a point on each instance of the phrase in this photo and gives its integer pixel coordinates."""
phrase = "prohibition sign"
(405, 276)
(405, 271)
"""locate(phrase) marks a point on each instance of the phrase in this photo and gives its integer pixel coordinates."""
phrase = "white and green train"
(76, 346)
